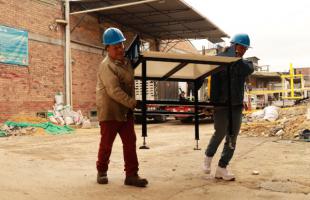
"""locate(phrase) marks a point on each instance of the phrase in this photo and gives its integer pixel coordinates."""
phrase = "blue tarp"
(13, 46)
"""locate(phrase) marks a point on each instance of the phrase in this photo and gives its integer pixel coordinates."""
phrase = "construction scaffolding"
(258, 98)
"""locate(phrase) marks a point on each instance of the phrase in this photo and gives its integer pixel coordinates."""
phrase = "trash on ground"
(254, 172)
(285, 123)
(64, 115)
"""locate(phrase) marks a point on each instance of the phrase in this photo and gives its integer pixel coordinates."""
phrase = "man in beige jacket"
(115, 100)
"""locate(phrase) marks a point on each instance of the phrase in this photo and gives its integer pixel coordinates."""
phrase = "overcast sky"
(279, 29)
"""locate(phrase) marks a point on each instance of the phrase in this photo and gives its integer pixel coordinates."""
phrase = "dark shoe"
(135, 180)
(102, 178)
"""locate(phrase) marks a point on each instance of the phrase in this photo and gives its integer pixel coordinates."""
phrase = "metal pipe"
(196, 115)
(230, 117)
(144, 109)
(68, 71)
(113, 7)
(177, 102)
(292, 80)
(196, 111)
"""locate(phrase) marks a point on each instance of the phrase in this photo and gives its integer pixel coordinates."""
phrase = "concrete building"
(306, 74)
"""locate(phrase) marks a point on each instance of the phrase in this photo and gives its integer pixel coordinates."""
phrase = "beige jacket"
(115, 90)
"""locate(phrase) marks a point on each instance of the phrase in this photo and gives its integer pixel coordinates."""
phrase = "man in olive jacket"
(115, 99)
(219, 97)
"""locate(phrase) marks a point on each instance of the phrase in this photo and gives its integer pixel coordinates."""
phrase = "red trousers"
(109, 130)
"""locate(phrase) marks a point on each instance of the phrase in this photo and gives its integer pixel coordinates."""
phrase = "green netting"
(49, 127)
(2, 134)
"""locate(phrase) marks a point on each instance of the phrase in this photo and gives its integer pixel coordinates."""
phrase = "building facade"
(29, 89)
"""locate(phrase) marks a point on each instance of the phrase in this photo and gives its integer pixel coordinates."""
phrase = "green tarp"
(49, 127)
(2, 134)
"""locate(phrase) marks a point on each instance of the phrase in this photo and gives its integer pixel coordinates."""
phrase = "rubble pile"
(6, 130)
(290, 123)
(20, 131)
(64, 115)
(10, 128)
(57, 121)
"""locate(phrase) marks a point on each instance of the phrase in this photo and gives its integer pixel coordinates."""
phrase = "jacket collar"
(118, 62)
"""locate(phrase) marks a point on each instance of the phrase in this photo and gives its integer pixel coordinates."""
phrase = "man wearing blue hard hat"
(115, 99)
(225, 108)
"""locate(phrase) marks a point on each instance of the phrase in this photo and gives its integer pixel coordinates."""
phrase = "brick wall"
(27, 90)
(84, 79)
(180, 47)
(31, 15)
(31, 89)
(87, 31)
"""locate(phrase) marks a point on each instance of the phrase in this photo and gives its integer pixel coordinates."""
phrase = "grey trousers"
(221, 127)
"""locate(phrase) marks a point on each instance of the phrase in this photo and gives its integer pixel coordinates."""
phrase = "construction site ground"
(62, 167)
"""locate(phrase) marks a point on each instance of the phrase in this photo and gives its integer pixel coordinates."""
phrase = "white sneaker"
(222, 173)
(207, 165)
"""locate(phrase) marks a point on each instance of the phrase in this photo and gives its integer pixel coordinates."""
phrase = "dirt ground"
(63, 167)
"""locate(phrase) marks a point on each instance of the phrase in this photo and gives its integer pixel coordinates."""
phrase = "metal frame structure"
(291, 78)
(160, 19)
(181, 63)
(154, 19)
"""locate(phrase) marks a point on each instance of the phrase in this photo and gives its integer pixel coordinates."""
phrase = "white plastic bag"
(86, 124)
(308, 114)
(271, 113)
(59, 99)
(52, 119)
(60, 120)
(69, 120)
(258, 114)
(78, 117)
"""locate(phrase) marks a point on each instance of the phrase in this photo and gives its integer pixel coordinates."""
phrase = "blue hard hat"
(242, 39)
(113, 36)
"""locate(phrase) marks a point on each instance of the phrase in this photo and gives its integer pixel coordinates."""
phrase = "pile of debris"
(64, 115)
(6, 131)
(10, 129)
(285, 123)
(57, 122)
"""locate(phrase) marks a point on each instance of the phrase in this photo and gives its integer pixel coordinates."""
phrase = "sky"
(279, 29)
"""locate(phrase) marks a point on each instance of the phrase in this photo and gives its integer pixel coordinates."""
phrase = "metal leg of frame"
(196, 116)
(144, 109)
(230, 128)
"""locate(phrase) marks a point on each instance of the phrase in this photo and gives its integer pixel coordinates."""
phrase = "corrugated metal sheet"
(165, 20)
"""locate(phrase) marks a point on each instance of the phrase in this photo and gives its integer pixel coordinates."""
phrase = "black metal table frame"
(167, 77)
